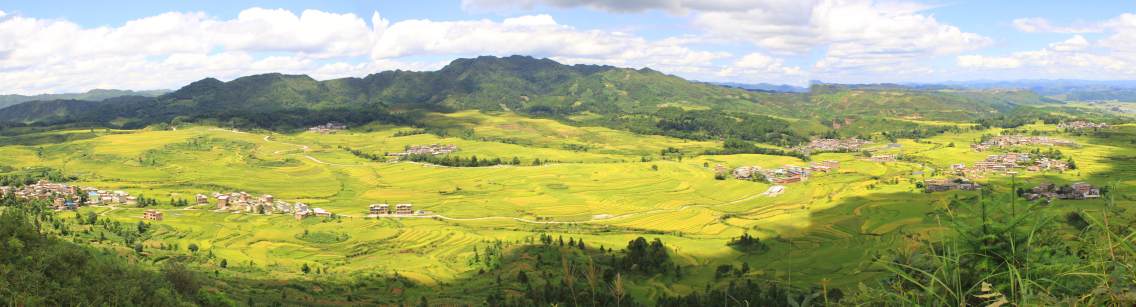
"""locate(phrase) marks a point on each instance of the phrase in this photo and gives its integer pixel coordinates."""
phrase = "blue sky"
(64, 46)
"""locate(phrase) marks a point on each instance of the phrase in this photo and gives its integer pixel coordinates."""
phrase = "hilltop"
(639, 100)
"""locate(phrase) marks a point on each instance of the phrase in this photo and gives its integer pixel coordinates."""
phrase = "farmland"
(602, 186)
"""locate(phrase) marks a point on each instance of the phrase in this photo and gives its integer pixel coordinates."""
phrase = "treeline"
(31, 176)
(1016, 118)
(365, 155)
(705, 125)
(457, 161)
(737, 146)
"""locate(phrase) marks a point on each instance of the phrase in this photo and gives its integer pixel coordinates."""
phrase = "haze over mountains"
(93, 95)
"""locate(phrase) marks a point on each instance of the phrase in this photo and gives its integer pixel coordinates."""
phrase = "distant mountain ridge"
(767, 87)
(91, 95)
(642, 100)
(1069, 89)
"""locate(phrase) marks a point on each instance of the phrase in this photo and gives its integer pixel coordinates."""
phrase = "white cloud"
(1040, 25)
(758, 67)
(1075, 57)
(50, 55)
(1111, 57)
(856, 34)
(621, 6)
(540, 36)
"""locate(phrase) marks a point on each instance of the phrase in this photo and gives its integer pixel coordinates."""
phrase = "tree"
(306, 269)
(192, 247)
(138, 247)
(522, 277)
(142, 227)
(224, 263)
(181, 278)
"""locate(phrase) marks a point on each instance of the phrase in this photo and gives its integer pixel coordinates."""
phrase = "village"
(1075, 191)
(432, 149)
(1008, 162)
(328, 128)
(832, 145)
(68, 197)
(783, 175)
(1018, 140)
(1081, 125)
(243, 202)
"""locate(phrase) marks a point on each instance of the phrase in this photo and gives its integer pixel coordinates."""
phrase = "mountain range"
(641, 100)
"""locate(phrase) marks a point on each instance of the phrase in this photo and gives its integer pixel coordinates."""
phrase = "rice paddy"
(828, 227)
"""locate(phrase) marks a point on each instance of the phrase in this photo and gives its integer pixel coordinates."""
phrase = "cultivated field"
(602, 185)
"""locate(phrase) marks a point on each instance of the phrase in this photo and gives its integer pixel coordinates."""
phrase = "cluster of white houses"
(882, 158)
(1009, 162)
(943, 184)
(1079, 190)
(243, 202)
(432, 149)
(376, 210)
(68, 197)
(819, 145)
(786, 174)
(1016, 140)
(328, 128)
(1081, 125)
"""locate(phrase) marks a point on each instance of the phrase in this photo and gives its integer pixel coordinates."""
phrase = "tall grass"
(997, 258)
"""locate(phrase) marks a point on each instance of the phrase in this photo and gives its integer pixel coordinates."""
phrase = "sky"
(74, 46)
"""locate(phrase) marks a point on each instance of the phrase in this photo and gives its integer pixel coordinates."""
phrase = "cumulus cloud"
(1113, 56)
(854, 34)
(1073, 57)
(758, 67)
(51, 55)
(621, 6)
(541, 36)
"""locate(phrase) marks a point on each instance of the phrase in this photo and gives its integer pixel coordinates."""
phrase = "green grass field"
(828, 227)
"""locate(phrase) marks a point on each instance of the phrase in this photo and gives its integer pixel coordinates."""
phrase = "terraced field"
(619, 188)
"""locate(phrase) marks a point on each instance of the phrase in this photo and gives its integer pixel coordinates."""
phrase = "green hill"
(92, 95)
(640, 100)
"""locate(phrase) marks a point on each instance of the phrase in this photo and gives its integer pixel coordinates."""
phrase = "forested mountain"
(92, 95)
(641, 100)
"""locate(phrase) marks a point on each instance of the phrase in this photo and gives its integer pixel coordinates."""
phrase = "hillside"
(92, 95)
(640, 100)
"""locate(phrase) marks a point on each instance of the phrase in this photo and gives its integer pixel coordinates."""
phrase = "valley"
(602, 186)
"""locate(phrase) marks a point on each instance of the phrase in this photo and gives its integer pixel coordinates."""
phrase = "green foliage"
(748, 244)
(648, 258)
(36, 269)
